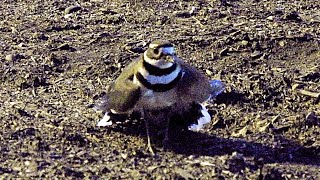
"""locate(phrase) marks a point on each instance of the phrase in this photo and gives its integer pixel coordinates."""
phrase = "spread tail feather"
(102, 105)
(105, 121)
(204, 118)
(217, 87)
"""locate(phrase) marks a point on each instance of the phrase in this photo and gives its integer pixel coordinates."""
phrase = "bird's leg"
(149, 146)
(165, 141)
(146, 121)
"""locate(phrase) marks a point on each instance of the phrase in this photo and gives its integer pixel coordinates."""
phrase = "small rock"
(29, 52)
(244, 42)
(256, 54)
(256, 46)
(14, 57)
(237, 156)
(208, 72)
(66, 47)
(124, 156)
(282, 43)
(72, 9)
(16, 168)
(10, 57)
(296, 86)
(193, 9)
(273, 174)
(22, 46)
(270, 18)
(151, 168)
(206, 163)
(14, 30)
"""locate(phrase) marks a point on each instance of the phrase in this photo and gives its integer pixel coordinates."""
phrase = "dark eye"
(156, 51)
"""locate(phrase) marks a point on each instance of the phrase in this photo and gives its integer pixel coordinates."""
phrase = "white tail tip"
(204, 119)
(105, 121)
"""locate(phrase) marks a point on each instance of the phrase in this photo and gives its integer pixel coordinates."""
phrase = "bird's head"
(160, 53)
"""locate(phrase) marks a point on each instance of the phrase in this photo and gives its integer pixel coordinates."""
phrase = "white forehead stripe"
(153, 45)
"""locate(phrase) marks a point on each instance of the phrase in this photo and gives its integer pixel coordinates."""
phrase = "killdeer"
(159, 80)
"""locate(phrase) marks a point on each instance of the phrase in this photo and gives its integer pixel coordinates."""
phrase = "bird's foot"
(166, 143)
(149, 147)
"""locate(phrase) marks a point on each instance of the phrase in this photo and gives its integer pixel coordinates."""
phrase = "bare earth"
(57, 60)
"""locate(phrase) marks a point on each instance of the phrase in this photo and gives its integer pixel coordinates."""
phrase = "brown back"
(194, 86)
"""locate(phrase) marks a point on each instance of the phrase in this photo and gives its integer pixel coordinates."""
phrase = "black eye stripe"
(165, 46)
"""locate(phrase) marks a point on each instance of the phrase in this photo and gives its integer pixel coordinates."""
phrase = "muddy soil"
(58, 57)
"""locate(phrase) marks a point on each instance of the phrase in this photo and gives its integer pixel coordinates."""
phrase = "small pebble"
(270, 18)
(208, 72)
(10, 57)
(72, 9)
(22, 45)
(244, 42)
(282, 43)
(256, 54)
(236, 155)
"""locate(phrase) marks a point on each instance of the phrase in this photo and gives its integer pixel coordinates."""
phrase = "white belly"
(156, 100)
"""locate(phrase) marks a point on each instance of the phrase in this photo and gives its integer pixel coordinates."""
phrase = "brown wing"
(194, 86)
(123, 94)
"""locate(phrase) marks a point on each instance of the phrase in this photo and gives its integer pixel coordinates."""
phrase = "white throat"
(165, 79)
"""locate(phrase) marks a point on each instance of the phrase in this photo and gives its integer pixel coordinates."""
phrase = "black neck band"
(156, 71)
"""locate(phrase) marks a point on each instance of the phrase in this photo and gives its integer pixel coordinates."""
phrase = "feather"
(217, 87)
(105, 121)
(205, 118)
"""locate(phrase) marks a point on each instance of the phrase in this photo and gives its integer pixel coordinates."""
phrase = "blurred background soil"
(58, 57)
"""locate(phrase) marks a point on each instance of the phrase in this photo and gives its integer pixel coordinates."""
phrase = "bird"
(160, 81)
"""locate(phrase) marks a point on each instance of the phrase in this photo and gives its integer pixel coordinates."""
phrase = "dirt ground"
(58, 57)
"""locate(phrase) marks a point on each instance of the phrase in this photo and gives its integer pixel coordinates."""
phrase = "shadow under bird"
(160, 81)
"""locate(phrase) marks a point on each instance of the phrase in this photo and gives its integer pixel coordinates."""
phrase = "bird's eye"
(156, 51)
